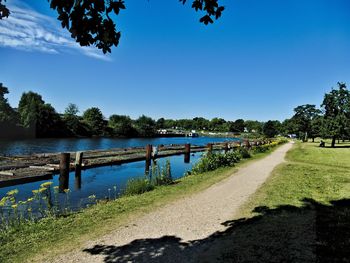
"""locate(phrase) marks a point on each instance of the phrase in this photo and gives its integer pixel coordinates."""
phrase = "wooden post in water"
(64, 171)
(77, 181)
(148, 157)
(78, 159)
(78, 164)
(226, 147)
(187, 156)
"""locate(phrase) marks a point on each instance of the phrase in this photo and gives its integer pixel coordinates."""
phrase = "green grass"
(300, 214)
(51, 236)
(321, 174)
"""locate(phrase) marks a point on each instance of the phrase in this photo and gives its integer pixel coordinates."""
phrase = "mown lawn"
(51, 236)
(301, 214)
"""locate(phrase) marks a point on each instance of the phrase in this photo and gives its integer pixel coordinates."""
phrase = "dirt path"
(179, 231)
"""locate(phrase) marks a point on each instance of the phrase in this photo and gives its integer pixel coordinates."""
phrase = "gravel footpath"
(179, 231)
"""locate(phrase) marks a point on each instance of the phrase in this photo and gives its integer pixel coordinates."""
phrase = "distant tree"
(239, 125)
(336, 106)
(253, 126)
(303, 116)
(317, 127)
(145, 126)
(218, 124)
(290, 126)
(121, 125)
(39, 116)
(271, 128)
(72, 121)
(7, 114)
(93, 117)
(184, 124)
(200, 123)
(160, 123)
(169, 124)
(71, 110)
(90, 22)
(29, 108)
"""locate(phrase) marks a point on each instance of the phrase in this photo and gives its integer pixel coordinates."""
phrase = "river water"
(103, 182)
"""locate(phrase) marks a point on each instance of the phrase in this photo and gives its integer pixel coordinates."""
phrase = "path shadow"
(312, 233)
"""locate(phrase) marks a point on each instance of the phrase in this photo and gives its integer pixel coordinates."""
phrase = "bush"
(244, 153)
(137, 186)
(266, 147)
(213, 161)
(161, 176)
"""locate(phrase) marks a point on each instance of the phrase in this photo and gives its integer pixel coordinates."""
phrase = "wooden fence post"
(78, 159)
(187, 156)
(78, 164)
(148, 157)
(64, 171)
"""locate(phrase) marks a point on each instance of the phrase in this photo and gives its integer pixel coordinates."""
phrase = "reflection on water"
(104, 181)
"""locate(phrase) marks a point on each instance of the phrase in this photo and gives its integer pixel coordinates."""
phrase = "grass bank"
(51, 236)
(300, 214)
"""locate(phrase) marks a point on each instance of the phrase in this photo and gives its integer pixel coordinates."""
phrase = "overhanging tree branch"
(89, 21)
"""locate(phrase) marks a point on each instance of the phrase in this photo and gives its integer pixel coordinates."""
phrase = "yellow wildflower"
(46, 185)
(12, 192)
(41, 190)
(30, 199)
(3, 201)
(14, 206)
(66, 190)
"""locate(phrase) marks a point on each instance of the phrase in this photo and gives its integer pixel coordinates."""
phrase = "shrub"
(161, 175)
(213, 161)
(244, 153)
(137, 186)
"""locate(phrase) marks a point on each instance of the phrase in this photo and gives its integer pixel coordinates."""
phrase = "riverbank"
(50, 236)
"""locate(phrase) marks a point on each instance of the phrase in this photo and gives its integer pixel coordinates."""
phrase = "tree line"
(35, 118)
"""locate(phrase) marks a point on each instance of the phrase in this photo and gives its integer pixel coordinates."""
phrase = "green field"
(301, 214)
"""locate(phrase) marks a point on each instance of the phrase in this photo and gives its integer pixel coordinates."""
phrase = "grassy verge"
(51, 236)
(311, 172)
(300, 214)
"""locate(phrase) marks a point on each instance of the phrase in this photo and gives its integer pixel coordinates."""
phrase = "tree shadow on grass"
(312, 233)
(337, 147)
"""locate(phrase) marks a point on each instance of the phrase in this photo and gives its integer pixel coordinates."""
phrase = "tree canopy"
(39, 116)
(92, 22)
(336, 106)
(303, 116)
(93, 117)
(7, 114)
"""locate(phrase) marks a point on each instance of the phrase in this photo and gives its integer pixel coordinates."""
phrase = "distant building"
(162, 131)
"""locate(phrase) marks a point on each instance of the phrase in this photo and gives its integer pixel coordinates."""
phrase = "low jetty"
(29, 168)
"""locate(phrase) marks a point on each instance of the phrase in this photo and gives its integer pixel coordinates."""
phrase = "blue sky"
(259, 61)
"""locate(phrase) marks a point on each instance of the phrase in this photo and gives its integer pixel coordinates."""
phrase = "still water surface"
(18, 147)
(100, 181)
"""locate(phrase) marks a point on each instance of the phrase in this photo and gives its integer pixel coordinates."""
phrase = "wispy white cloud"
(28, 30)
